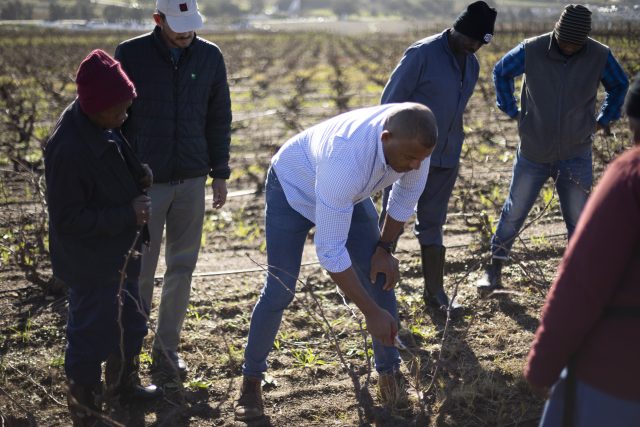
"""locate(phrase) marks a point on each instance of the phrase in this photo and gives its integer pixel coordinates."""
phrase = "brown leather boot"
(392, 391)
(123, 379)
(249, 406)
(83, 402)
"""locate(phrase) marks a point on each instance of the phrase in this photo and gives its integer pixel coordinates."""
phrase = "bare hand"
(382, 326)
(219, 187)
(385, 263)
(142, 207)
(147, 179)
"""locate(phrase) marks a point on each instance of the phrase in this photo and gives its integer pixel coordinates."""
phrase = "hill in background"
(233, 10)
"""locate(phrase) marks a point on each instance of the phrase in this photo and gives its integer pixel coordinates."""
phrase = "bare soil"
(469, 369)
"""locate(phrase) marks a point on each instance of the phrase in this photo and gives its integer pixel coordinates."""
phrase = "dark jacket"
(429, 73)
(180, 123)
(600, 270)
(558, 99)
(90, 187)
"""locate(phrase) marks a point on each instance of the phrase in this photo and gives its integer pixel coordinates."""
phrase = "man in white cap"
(180, 124)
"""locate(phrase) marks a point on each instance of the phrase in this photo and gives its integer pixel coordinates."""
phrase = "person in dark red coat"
(97, 205)
(591, 319)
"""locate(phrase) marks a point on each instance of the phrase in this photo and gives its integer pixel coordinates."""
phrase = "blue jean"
(572, 178)
(93, 332)
(286, 231)
(593, 408)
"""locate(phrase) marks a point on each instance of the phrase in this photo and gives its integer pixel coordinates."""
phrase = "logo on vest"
(487, 37)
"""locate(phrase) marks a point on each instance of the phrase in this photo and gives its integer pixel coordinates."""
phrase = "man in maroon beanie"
(97, 210)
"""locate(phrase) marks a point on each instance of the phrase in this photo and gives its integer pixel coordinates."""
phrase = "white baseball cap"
(182, 15)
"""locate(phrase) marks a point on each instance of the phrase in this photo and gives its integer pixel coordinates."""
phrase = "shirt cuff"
(335, 264)
(400, 213)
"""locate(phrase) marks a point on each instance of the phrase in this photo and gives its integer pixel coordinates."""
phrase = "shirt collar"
(445, 46)
(379, 151)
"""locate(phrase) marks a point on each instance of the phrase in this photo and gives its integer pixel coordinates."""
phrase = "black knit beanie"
(632, 103)
(477, 22)
(574, 24)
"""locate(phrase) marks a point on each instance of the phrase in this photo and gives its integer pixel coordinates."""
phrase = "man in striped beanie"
(556, 122)
(573, 27)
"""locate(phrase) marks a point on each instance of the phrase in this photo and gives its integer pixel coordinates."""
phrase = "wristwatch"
(387, 246)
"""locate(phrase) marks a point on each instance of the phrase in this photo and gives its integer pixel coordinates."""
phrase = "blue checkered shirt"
(327, 169)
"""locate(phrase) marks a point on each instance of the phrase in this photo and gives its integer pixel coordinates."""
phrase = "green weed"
(193, 313)
(23, 335)
(306, 358)
(199, 384)
(57, 362)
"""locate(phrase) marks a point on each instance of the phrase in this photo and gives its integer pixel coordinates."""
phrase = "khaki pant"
(179, 206)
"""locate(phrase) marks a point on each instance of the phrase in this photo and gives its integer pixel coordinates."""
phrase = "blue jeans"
(572, 177)
(286, 231)
(593, 408)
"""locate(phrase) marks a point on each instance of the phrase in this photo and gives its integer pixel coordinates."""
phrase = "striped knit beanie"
(574, 24)
(632, 104)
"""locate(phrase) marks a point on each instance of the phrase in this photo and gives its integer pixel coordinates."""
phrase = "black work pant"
(93, 332)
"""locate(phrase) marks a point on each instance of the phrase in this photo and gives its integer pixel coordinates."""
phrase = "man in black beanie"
(556, 123)
(441, 72)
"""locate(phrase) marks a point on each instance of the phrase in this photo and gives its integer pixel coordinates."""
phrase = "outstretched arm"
(380, 322)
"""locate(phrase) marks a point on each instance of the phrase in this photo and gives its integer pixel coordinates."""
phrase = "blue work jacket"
(429, 74)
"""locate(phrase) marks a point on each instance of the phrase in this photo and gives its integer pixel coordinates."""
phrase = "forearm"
(391, 229)
(350, 284)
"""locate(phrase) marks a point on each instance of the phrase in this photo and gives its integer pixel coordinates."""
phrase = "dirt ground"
(482, 354)
(469, 369)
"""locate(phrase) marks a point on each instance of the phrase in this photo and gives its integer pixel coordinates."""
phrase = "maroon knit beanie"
(102, 83)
